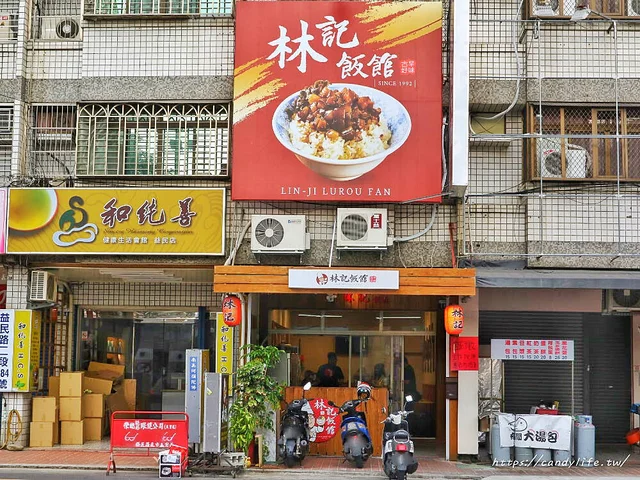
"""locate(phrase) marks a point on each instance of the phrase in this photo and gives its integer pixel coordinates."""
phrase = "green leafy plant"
(256, 395)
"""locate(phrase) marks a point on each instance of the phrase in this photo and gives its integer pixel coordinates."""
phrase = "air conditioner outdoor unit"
(279, 234)
(546, 8)
(61, 28)
(633, 8)
(623, 300)
(550, 159)
(44, 287)
(362, 228)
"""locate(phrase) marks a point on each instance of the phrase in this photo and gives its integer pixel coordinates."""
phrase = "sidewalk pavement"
(96, 458)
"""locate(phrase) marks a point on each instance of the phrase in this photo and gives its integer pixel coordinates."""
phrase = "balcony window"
(153, 140)
(6, 136)
(53, 140)
(593, 153)
(213, 8)
(566, 8)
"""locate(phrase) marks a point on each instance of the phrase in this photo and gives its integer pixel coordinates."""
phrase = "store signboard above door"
(337, 279)
(520, 349)
(123, 221)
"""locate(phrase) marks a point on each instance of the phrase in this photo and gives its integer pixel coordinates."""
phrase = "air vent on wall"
(43, 288)
(362, 229)
(60, 28)
(279, 234)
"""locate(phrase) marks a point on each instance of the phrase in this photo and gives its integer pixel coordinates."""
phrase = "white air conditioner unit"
(623, 300)
(546, 8)
(44, 287)
(362, 228)
(633, 8)
(61, 28)
(550, 159)
(279, 234)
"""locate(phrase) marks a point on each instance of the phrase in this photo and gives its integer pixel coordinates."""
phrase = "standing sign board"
(224, 348)
(197, 364)
(19, 350)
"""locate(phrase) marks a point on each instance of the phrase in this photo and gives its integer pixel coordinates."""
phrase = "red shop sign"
(127, 433)
(324, 421)
(464, 353)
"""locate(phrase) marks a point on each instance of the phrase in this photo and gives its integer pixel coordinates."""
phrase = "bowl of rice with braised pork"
(341, 131)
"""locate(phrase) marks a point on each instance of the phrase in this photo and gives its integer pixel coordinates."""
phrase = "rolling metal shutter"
(528, 382)
(608, 358)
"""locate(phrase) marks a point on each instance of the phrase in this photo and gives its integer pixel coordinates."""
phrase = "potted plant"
(256, 395)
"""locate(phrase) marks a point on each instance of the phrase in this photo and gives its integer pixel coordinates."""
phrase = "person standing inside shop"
(410, 386)
(330, 374)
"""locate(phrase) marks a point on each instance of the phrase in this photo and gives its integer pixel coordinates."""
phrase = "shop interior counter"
(373, 410)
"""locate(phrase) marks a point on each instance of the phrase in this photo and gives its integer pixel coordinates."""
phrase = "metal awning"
(493, 277)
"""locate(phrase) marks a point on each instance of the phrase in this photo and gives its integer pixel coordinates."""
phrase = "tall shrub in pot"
(256, 394)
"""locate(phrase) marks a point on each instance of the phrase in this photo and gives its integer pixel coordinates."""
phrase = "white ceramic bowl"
(394, 113)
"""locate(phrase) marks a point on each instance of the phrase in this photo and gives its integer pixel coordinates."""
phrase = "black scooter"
(397, 447)
(293, 444)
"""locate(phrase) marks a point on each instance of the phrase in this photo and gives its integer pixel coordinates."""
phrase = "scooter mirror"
(307, 386)
(409, 398)
(384, 410)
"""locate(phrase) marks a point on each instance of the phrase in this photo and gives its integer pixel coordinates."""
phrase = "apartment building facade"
(115, 96)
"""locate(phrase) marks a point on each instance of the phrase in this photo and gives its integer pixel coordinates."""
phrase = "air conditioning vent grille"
(269, 232)
(354, 227)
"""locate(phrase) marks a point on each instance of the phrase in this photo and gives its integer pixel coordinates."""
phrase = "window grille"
(6, 137)
(57, 20)
(581, 143)
(119, 8)
(153, 140)
(8, 21)
(53, 140)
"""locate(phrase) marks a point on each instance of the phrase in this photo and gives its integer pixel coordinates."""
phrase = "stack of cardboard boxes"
(44, 429)
(79, 404)
(71, 411)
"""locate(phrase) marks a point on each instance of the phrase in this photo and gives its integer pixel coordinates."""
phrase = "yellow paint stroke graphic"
(403, 22)
(253, 88)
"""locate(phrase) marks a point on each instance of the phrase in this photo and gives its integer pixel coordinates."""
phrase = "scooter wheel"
(401, 475)
(359, 462)
(289, 461)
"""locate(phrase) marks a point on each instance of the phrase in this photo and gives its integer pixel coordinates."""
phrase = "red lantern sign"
(454, 319)
(231, 310)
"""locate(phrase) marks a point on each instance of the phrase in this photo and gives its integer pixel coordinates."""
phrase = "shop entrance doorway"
(392, 350)
(151, 345)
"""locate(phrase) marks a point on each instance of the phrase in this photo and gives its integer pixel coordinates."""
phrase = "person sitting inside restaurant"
(330, 374)
(380, 378)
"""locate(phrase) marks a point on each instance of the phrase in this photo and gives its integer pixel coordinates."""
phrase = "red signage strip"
(464, 353)
(146, 430)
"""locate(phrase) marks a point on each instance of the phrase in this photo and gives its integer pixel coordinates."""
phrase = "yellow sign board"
(122, 221)
(224, 348)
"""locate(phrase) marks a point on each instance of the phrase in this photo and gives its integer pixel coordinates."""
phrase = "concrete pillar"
(468, 386)
(17, 294)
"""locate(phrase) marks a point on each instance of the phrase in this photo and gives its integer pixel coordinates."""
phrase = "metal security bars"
(53, 141)
(57, 20)
(153, 140)
(119, 8)
(6, 138)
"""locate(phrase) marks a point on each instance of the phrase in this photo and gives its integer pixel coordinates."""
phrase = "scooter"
(293, 444)
(356, 441)
(397, 447)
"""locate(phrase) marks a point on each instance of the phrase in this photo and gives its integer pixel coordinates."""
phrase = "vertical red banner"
(464, 353)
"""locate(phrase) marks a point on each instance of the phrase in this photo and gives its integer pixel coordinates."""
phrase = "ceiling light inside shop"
(141, 275)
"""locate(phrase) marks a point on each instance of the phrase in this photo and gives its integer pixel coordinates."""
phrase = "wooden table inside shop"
(339, 395)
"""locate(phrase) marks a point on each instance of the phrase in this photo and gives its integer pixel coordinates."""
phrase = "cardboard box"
(71, 409)
(92, 429)
(129, 387)
(54, 387)
(483, 424)
(44, 409)
(98, 385)
(71, 384)
(106, 371)
(72, 433)
(41, 434)
(93, 405)
(117, 402)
